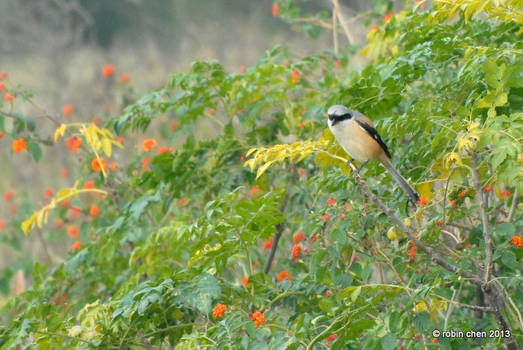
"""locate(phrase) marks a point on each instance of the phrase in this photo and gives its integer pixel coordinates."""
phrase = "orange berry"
(107, 70)
(212, 111)
(76, 245)
(487, 188)
(149, 144)
(331, 201)
(325, 217)
(73, 231)
(267, 244)
(218, 310)
(68, 110)
(275, 10)
(245, 281)
(506, 194)
(120, 139)
(95, 210)
(8, 97)
(258, 318)
(440, 223)
(412, 250)
(298, 237)
(284, 275)
(462, 194)
(19, 145)
(98, 164)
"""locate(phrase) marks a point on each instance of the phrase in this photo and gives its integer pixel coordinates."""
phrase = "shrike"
(358, 137)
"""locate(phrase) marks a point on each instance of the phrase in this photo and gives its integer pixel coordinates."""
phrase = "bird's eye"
(348, 115)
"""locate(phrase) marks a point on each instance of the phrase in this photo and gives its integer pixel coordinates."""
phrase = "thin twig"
(279, 228)
(335, 30)
(346, 30)
(484, 220)
(514, 205)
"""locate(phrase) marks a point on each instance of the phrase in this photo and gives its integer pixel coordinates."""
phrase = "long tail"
(401, 181)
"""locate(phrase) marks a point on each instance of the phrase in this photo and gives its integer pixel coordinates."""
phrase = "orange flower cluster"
(267, 244)
(73, 143)
(326, 217)
(149, 144)
(275, 10)
(412, 251)
(97, 165)
(146, 164)
(1, 134)
(327, 293)
(2, 225)
(182, 201)
(487, 188)
(284, 275)
(9, 97)
(314, 237)
(296, 251)
(218, 310)
(422, 201)
(517, 241)
(76, 211)
(2, 86)
(19, 145)
(506, 194)
(462, 194)
(107, 70)
(295, 76)
(68, 110)
(331, 201)
(165, 149)
(76, 245)
(73, 231)
(258, 318)
(89, 184)
(298, 237)
(255, 190)
(8, 196)
(387, 17)
(245, 281)
(48, 193)
(94, 211)
(243, 69)
(331, 337)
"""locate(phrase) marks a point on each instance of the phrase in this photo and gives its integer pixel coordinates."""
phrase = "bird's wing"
(366, 124)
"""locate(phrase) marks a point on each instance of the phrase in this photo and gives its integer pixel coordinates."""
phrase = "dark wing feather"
(374, 134)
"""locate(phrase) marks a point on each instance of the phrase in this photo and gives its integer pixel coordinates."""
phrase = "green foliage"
(179, 238)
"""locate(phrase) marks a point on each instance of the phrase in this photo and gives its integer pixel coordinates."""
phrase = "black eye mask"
(338, 118)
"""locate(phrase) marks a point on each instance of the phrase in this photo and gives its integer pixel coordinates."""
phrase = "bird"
(359, 138)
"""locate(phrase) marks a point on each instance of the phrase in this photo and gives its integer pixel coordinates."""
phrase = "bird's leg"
(362, 165)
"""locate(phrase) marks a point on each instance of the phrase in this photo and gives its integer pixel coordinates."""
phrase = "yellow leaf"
(28, 224)
(262, 169)
(59, 131)
(106, 146)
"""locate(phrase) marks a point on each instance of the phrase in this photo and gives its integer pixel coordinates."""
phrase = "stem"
(513, 207)
(279, 228)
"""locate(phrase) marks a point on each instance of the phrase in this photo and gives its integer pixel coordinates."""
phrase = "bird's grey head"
(339, 113)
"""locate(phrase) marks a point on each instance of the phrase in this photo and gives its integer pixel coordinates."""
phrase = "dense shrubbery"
(178, 251)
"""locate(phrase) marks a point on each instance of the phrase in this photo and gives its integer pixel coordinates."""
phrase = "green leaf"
(422, 321)
(35, 150)
(202, 294)
(389, 342)
(509, 259)
(506, 229)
